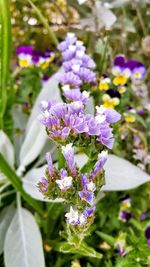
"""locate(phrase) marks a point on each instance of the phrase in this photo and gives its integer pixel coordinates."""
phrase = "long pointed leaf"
(23, 243)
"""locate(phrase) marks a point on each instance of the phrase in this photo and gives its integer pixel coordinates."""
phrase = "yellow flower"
(104, 84)
(120, 80)
(122, 89)
(130, 118)
(137, 75)
(24, 63)
(110, 102)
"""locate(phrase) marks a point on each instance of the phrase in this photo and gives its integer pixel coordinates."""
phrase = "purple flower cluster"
(29, 57)
(76, 63)
(70, 177)
(131, 68)
(68, 124)
(64, 120)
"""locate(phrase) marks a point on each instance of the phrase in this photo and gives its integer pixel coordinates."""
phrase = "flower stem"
(45, 23)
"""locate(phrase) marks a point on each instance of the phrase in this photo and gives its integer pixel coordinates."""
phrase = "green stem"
(5, 44)
(45, 23)
(103, 58)
(17, 184)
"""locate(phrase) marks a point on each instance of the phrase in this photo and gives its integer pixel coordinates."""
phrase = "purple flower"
(28, 50)
(102, 158)
(144, 215)
(36, 57)
(121, 251)
(50, 164)
(86, 75)
(79, 124)
(75, 107)
(43, 185)
(68, 153)
(138, 73)
(136, 68)
(88, 188)
(87, 196)
(147, 235)
(87, 184)
(111, 115)
(76, 63)
(75, 95)
(88, 212)
(63, 173)
(120, 61)
(70, 39)
(70, 65)
(69, 78)
(125, 216)
(45, 78)
(44, 181)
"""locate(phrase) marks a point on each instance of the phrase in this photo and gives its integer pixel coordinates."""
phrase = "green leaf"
(5, 46)
(83, 250)
(109, 239)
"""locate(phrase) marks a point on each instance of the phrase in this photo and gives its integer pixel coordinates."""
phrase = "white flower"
(66, 87)
(100, 118)
(76, 67)
(82, 219)
(72, 48)
(104, 154)
(85, 94)
(100, 110)
(67, 148)
(70, 34)
(80, 53)
(44, 104)
(81, 1)
(91, 186)
(72, 216)
(46, 114)
(79, 42)
(64, 183)
(105, 80)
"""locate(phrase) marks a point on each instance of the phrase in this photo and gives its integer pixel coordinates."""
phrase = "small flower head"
(125, 202)
(102, 158)
(109, 102)
(104, 83)
(65, 183)
(50, 164)
(43, 185)
(68, 153)
(72, 216)
(122, 89)
(130, 118)
(25, 56)
(125, 216)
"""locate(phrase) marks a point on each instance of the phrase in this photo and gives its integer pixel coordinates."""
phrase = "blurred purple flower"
(147, 235)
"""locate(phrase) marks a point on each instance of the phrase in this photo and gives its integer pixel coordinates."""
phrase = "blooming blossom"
(64, 183)
(72, 216)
